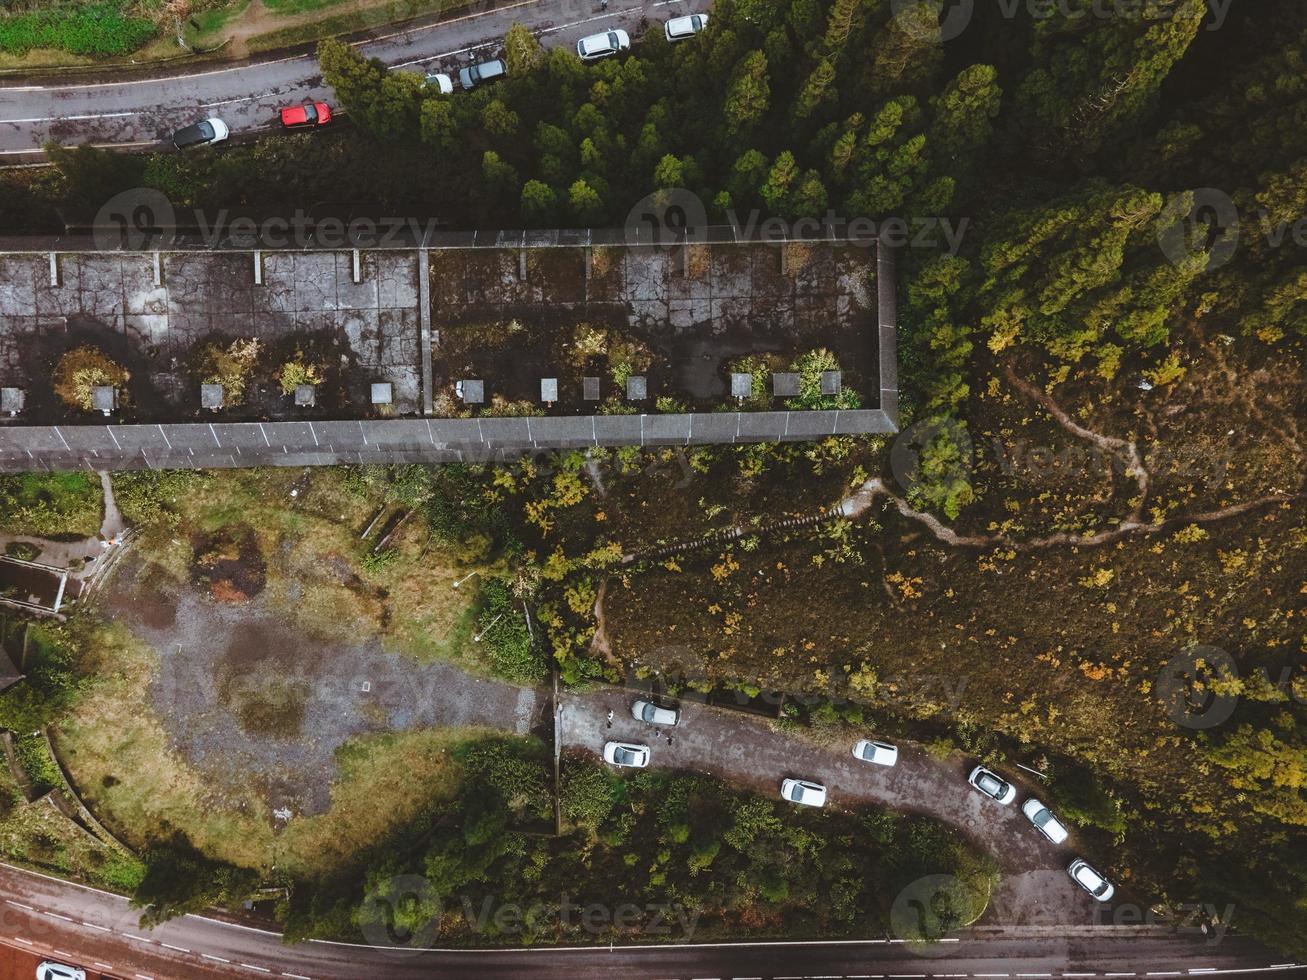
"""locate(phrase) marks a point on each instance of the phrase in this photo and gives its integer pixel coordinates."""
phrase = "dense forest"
(1134, 186)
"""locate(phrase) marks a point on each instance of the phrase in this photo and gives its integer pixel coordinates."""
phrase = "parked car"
(1044, 821)
(482, 74)
(679, 28)
(604, 45)
(1090, 880)
(441, 82)
(655, 714)
(803, 792)
(306, 116)
(880, 753)
(992, 785)
(211, 130)
(626, 754)
(50, 970)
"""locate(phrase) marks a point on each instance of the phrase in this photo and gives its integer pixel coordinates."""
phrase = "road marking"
(139, 939)
(180, 949)
(56, 915)
(1119, 974)
(92, 925)
(25, 942)
(296, 976)
(210, 956)
(992, 974)
(94, 115)
(142, 976)
(1080, 974)
(165, 438)
(62, 953)
(1202, 969)
(251, 966)
(102, 966)
(19, 905)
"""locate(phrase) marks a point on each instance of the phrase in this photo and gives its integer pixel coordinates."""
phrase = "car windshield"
(1041, 818)
(612, 39)
(648, 713)
(206, 129)
(310, 114)
(796, 793)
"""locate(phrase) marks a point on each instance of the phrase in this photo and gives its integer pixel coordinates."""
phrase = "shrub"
(99, 30)
(230, 367)
(82, 369)
(296, 372)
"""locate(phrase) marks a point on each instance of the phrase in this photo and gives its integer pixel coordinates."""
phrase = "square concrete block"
(104, 398)
(382, 393)
(305, 396)
(590, 389)
(12, 400)
(472, 392)
(211, 397)
(785, 385)
(831, 382)
(549, 389)
(741, 385)
(637, 388)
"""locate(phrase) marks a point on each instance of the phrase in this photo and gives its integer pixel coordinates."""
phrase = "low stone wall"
(240, 444)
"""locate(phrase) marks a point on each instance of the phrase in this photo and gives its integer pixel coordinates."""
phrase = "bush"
(503, 621)
(296, 372)
(230, 367)
(82, 369)
(49, 504)
(587, 796)
(98, 31)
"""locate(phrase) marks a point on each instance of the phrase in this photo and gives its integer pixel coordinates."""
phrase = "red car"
(306, 116)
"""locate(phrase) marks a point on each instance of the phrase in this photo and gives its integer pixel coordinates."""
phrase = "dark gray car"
(482, 74)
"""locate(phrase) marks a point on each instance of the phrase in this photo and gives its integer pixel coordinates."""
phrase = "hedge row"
(99, 30)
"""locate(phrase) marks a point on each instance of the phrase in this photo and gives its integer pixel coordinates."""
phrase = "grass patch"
(348, 22)
(99, 30)
(50, 504)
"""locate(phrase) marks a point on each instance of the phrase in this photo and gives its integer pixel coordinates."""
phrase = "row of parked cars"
(594, 47)
(311, 115)
(805, 792)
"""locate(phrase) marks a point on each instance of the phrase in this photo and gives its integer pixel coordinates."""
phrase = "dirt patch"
(228, 563)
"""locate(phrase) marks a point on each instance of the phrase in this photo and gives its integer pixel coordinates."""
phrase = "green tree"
(749, 94)
(539, 204)
(439, 125)
(522, 51)
(584, 203)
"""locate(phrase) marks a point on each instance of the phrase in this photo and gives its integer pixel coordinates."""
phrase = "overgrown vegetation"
(99, 29)
(50, 504)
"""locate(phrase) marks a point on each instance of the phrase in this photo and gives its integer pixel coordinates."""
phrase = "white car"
(1090, 880)
(626, 754)
(679, 28)
(604, 45)
(202, 133)
(441, 82)
(654, 714)
(880, 753)
(803, 792)
(50, 970)
(992, 785)
(1044, 821)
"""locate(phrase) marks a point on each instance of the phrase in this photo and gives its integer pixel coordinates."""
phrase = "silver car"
(628, 755)
(679, 28)
(1044, 821)
(1090, 880)
(50, 970)
(603, 45)
(992, 785)
(879, 753)
(655, 714)
(803, 792)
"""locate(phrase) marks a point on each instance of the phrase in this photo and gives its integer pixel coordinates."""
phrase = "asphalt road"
(143, 111)
(41, 915)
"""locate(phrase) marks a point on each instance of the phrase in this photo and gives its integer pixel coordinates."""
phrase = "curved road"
(143, 111)
(42, 916)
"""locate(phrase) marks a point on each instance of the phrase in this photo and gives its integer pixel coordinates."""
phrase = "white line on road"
(25, 942)
(92, 925)
(19, 905)
(180, 949)
(296, 976)
(93, 115)
(102, 966)
(139, 939)
(210, 956)
(251, 966)
(56, 915)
